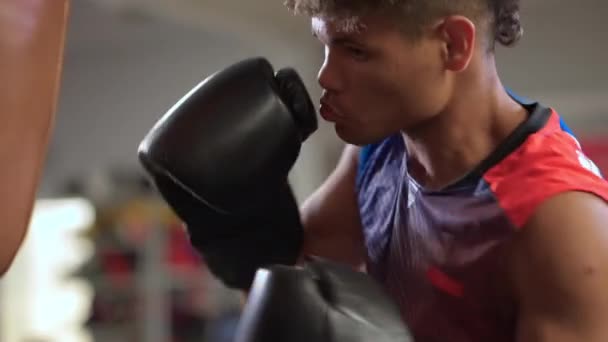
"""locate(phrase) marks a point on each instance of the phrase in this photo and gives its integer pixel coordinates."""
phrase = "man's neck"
(453, 143)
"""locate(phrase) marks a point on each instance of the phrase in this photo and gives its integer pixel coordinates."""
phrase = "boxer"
(475, 210)
(32, 34)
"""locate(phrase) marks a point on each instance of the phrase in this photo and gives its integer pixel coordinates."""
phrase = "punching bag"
(32, 37)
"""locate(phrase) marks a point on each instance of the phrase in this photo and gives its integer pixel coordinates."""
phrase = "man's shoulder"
(546, 152)
(556, 266)
(549, 162)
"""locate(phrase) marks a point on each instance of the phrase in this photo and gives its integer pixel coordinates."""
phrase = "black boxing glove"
(220, 158)
(321, 301)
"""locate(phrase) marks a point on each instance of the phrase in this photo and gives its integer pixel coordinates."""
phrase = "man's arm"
(31, 49)
(331, 217)
(560, 271)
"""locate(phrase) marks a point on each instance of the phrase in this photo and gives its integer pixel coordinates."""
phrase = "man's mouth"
(328, 112)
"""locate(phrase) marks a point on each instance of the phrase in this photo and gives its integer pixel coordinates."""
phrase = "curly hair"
(508, 29)
(500, 17)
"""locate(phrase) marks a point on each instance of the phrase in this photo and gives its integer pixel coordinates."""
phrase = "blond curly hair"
(500, 17)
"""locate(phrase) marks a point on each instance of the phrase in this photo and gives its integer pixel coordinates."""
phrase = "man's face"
(376, 82)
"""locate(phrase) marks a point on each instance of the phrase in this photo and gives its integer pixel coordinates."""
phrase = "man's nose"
(329, 76)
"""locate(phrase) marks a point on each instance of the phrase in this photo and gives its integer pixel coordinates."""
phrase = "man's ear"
(458, 35)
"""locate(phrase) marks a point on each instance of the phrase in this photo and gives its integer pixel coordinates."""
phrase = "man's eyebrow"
(345, 40)
(338, 40)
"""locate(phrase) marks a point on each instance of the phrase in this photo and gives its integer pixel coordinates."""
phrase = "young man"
(476, 210)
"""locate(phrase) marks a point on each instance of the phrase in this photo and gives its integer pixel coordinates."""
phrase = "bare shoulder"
(331, 215)
(572, 222)
(558, 269)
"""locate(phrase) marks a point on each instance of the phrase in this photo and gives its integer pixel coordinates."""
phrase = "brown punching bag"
(32, 37)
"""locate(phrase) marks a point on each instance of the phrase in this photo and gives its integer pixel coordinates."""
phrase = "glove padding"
(220, 158)
(321, 302)
(245, 242)
(234, 136)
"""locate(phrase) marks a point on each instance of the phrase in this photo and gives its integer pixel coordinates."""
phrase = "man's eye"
(357, 53)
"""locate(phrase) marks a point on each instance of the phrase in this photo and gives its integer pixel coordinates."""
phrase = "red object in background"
(180, 252)
(596, 148)
(118, 266)
(116, 262)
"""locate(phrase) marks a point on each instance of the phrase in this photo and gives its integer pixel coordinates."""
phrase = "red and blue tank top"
(436, 251)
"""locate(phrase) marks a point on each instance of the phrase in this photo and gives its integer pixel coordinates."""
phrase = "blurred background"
(104, 259)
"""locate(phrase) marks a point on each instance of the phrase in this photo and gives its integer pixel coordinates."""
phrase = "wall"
(562, 60)
(123, 71)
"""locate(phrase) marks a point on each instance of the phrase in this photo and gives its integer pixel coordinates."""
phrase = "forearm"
(343, 249)
(31, 50)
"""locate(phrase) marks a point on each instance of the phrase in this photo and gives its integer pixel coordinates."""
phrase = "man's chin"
(352, 136)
